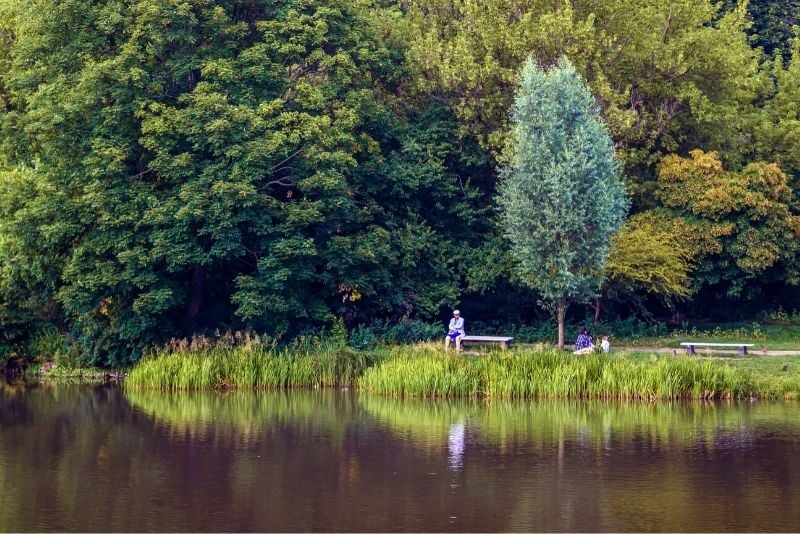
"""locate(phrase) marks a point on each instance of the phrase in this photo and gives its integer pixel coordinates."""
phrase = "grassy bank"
(243, 367)
(545, 373)
(426, 371)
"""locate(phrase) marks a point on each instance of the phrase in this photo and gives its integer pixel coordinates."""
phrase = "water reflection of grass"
(597, 423)
(428, 423)
(246, 414)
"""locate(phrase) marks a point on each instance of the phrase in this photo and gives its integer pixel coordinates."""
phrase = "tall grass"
(424, 370)
(248, 367)
(547, 373)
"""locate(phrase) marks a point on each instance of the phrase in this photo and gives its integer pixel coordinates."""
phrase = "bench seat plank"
(702, 344)
(502, 340)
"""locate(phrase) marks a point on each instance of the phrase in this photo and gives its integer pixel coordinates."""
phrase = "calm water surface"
(105, 459)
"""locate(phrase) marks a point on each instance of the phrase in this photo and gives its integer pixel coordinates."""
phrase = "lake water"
(85, 458)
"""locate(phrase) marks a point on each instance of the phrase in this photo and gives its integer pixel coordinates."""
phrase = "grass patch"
(425, 370)
(547, 373)
(770, 336)
(248, 367)
(776, 376)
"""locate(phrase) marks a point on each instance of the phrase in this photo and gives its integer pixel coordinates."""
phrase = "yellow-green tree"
(648, 257)
(666, 74)
(740, 226)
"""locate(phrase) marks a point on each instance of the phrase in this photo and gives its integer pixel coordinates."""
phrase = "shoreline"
(426, 370)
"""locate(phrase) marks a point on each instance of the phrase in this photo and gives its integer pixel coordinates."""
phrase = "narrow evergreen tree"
(560, 195)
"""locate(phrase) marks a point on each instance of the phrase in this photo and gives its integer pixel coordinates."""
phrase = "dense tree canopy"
(199, 164)
(169, 167)
(741, 223)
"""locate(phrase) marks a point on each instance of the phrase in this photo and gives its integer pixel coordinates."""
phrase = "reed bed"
(551, 374)
(247, 367)
(424, 370)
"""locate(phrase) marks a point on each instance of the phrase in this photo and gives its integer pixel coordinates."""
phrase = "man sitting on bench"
(455, 331)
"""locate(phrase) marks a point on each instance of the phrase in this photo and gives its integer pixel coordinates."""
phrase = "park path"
(699, 351)
(703, 351)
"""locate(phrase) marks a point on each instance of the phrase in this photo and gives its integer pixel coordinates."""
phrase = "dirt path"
(699, 351)
(704, 351)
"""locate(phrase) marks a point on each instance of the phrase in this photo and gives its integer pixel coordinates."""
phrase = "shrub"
(48, 344)
(404, 332)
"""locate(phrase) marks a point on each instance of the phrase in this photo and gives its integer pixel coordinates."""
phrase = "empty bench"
(487, 340)
(690, 345)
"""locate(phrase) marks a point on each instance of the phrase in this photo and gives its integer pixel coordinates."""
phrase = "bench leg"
(742, 350)
(690, 349)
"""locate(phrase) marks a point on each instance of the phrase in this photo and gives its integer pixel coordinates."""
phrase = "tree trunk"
(196, 289)
(561, 313)
(597, 310)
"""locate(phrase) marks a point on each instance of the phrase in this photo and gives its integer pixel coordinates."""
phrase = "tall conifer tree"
(561, 196)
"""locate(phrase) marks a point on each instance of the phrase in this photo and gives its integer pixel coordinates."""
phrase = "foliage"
(777, 132)
(741, 224)
(561, 197)
(650, 65)
(648, 258)
(781, 316)
(230, 171)
(401, 333)
(48, 344)
(168, 168)
(773, 23)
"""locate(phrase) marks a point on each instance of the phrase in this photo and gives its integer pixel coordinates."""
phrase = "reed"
(546, 373)
(424, 370)
(247, 367)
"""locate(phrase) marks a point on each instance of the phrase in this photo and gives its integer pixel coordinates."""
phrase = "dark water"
(103, 459)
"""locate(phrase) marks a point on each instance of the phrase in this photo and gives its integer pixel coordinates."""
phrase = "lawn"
(770, 336)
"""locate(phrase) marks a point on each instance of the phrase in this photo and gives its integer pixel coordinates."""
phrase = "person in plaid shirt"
(583, 345)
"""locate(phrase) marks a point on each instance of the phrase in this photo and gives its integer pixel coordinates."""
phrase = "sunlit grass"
(243, 367)
(544, 373)
(425, 370)
(770, 336)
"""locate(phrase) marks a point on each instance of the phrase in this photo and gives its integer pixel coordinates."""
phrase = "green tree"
(777, 131)
(194, 165)
(667, 75)
(561, 196)
(647, 257)
(773, 23)
(740, 226)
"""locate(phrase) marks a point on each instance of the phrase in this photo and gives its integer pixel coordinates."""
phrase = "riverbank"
(425, 370)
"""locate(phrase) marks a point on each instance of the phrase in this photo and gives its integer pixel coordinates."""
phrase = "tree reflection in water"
(320, 460)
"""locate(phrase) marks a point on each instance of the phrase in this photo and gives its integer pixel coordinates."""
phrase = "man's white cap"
(456, 312)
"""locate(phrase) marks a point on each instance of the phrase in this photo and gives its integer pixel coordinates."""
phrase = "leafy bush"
(630, 330)
(48, 344)
(404, 332)
(782, 317)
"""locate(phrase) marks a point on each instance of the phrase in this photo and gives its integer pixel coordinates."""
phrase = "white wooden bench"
(690, 345)
(489, 340)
